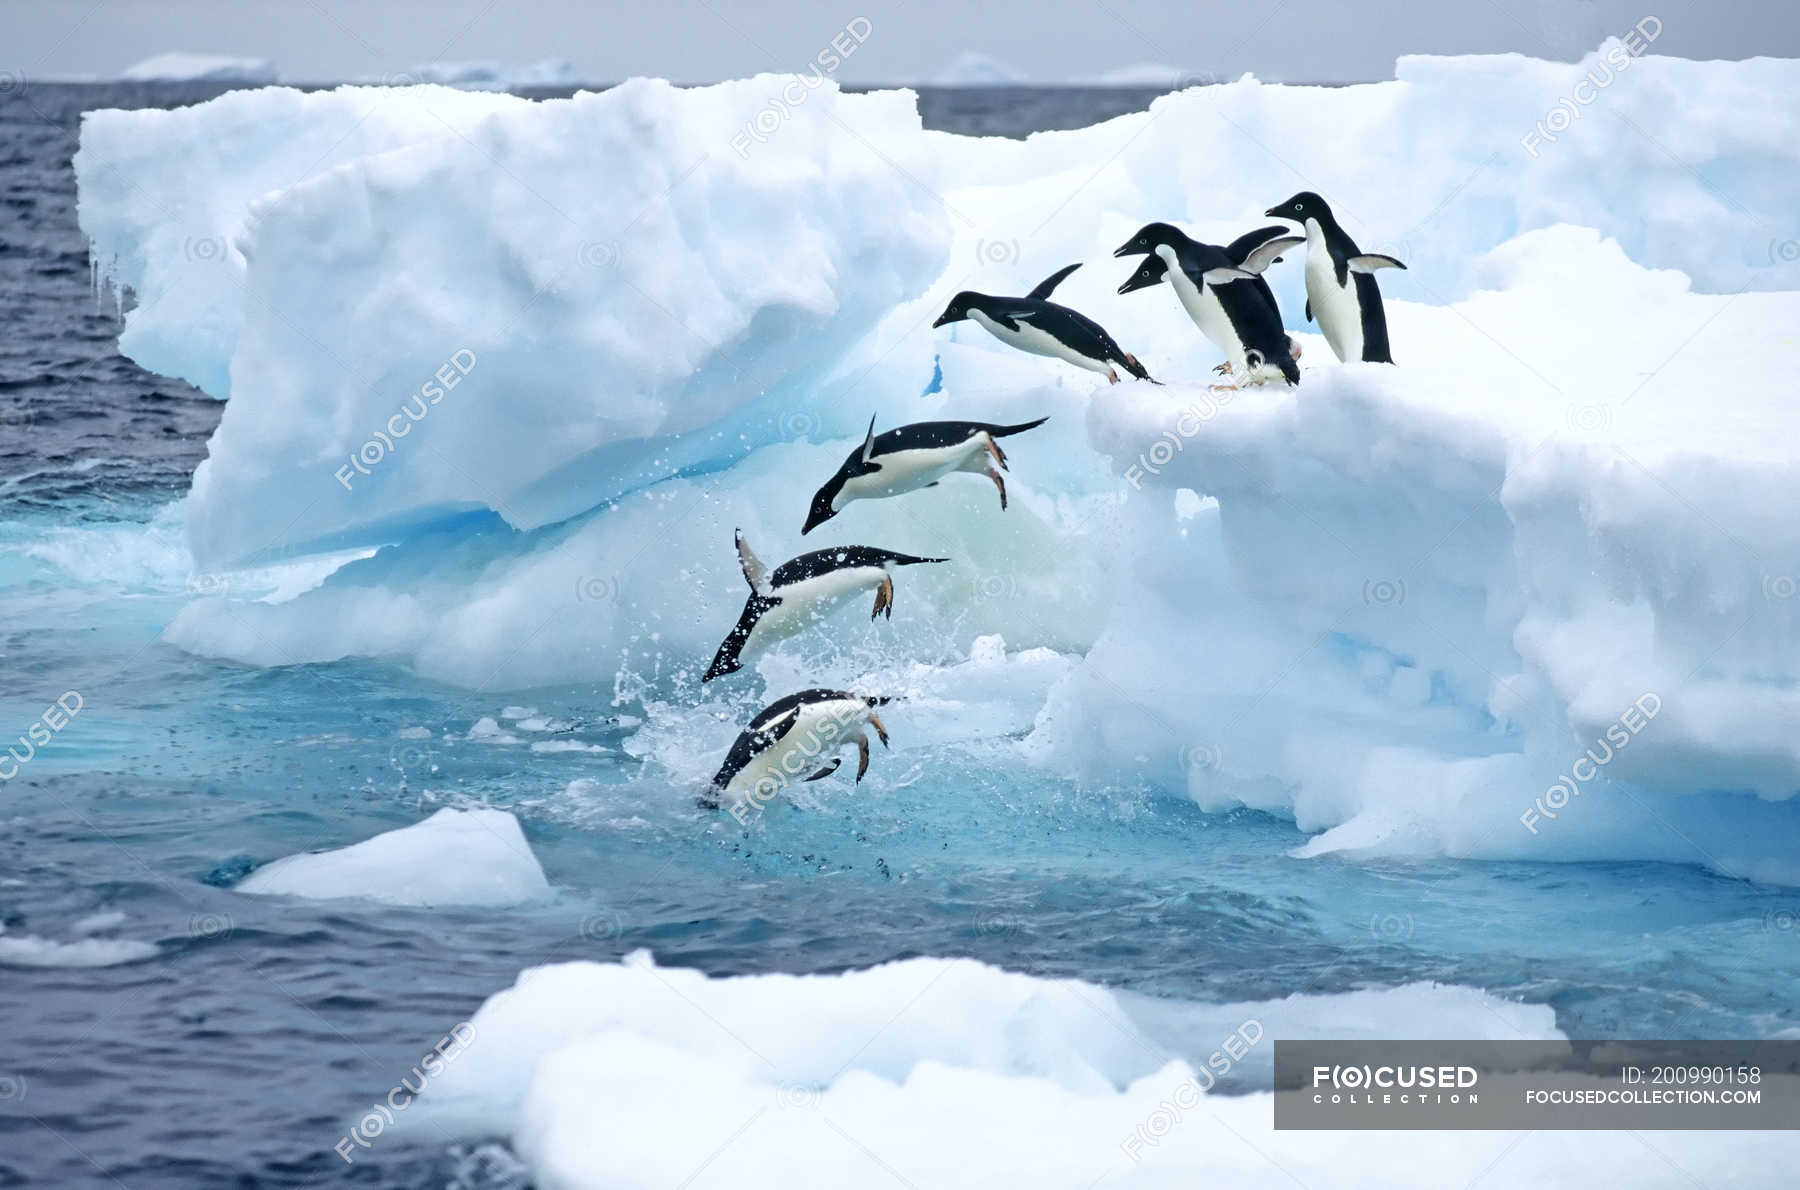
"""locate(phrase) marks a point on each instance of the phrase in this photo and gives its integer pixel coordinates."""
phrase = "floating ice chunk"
(934, 1072)
(455, 857)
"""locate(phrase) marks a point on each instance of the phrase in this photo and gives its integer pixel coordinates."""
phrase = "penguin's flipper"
(884, 599)
(862, 756)
(1368, 262)
(1225, 274)
(868, 447)
(1048, 285)
(1309, 309)
(1267, 253)
(754, 572)
(1137, 369)
(829, 769)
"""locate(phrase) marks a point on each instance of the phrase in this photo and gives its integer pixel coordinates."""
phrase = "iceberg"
(454, 857)
(201, 68)
(525, 366)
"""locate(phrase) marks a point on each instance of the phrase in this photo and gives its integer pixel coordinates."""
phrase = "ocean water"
(236, 1037)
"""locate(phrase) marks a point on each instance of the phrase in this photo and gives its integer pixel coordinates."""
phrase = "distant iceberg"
(202, 68)
(974, 69)
(488, 75)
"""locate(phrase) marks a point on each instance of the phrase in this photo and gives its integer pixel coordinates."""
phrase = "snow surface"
(934, 1072)
(1398, 604)
(201, 68)
(455, 857)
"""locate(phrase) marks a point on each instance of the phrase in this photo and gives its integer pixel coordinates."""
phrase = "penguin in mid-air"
(1036, 324)
(912, 457)
(1219, 294)
(803, 590)
(1340, 282)
(789, 739)
(1153, 272)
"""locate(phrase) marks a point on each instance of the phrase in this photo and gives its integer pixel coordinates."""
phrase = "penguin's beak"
(1274, 213)
(941, 320)
(1124, 249)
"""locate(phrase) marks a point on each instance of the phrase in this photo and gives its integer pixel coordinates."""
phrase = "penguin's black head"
(822, 509)
(1149, 238)
(1284, 360)
(1303, 206)
(1150, 272)
(958, 309)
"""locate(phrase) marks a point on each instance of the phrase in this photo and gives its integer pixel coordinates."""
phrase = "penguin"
(1236, 317)
(1340, 282)
(1153, 272)
(791, 736)
(911, 457)
(802, 590)
(1034, 323)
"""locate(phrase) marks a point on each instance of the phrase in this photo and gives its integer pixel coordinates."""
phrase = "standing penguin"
(1222, 298)
(1153, 272)
(1340, 282)
(802, 590)
(1034, 323)
(911, 457)
(791, 736)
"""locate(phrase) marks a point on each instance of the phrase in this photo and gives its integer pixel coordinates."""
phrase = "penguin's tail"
(1008, 431)
(909, 560)
(1137, 369)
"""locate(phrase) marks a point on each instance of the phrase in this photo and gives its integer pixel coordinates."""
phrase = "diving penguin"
(1221, 296)
(787, 740)
(1034, 323)
(803, 590)
(1340, 282)
(911, 457)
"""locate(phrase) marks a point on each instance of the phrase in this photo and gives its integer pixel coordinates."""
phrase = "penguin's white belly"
(1037, 341)
(1202, 305)
(816, 732)
(808, 601)
(908, 470)
(1334, 306)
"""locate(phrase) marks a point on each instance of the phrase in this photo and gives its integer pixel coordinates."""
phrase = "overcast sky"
(702, 40)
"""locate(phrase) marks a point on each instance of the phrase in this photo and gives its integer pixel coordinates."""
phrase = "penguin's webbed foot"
(707, 802)
(995, 453)
(880, 728)
(1112, 377)
(862, 756)
(884, 599)
(1223, 369)
(1001, 484)
(830, 769)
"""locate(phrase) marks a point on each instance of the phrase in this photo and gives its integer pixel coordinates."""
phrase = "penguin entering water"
(803, 590)
(912, 457)
(1243, 252)
(787, 741)
(1221, 296)
(1034, 323)
(1340, 282)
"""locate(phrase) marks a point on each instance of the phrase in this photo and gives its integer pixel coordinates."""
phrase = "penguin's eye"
(1299, 206)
